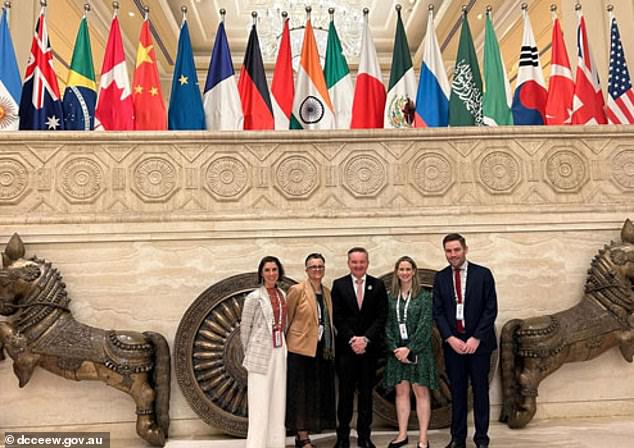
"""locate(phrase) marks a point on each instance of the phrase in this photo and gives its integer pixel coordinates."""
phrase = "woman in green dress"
(410, 363)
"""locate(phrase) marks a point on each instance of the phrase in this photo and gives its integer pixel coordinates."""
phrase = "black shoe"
(394, 444)
(365, 443)
(342, 443)
(454, 444)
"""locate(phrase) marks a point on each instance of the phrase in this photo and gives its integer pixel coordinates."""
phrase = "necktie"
(458, 284)
(359, 282)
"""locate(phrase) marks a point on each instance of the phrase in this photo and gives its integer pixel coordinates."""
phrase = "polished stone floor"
(617, 432)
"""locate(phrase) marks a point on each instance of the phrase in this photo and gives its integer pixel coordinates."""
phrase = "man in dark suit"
(359, 312)
(465, 308)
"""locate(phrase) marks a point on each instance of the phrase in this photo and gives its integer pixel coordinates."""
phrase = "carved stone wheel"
(208, 354)
(440, 398)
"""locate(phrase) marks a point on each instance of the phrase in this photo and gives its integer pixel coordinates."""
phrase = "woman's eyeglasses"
(319, 267)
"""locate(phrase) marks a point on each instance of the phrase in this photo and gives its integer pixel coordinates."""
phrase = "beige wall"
(141, 224)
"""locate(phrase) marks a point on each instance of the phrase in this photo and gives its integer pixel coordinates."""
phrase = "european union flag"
(10, 86)
(40, 105)
(186, 105)
(80, 95)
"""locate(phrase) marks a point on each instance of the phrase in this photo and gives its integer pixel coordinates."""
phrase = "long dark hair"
(396, 283)
(270, 259)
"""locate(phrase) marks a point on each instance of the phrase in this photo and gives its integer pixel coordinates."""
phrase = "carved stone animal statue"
(41, 331)
(534, 348)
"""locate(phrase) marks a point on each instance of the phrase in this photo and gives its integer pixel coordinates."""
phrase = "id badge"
(321, 332)
(460, 311)
(277, 338)
(402, 328)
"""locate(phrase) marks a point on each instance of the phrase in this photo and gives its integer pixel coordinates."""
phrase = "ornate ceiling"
(203, 17)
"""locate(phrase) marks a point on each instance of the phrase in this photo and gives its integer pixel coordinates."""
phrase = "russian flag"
(529, 100)
(223, 109)
(432, 99)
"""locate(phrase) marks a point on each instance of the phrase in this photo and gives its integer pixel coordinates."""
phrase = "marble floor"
(616, 432)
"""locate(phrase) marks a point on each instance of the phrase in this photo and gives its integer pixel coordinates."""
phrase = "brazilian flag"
(80, 95)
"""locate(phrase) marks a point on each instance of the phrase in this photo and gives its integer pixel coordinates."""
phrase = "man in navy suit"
(465, 308)
(359, 303)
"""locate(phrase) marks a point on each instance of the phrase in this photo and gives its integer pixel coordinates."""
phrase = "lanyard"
(278, 325)
(398, 306)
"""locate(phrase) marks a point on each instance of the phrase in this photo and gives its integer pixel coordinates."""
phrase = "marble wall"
(140, 224)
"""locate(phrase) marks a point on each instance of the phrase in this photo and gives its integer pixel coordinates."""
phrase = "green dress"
(419, 330)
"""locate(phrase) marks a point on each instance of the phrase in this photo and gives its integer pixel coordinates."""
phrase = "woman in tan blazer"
(262, 326)
(310, 393)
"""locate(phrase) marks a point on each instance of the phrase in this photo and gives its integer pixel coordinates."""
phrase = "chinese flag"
(149, 107)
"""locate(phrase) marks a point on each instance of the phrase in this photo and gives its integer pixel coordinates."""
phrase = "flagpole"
(7, 8)
(115, 8)
(524, 7)
(331, 12)
(146, 9)
(184, 15)
(553, 12)
(223, 12)
(86, 10)
(309, 9)
(43, 4)
(254, 14)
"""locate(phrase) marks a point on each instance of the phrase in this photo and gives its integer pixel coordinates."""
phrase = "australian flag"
(40, 105)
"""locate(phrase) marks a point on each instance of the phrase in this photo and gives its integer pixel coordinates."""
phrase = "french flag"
(432, 99)
(529, 100)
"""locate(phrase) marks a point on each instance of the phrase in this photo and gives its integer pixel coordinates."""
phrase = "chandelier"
(348, 16)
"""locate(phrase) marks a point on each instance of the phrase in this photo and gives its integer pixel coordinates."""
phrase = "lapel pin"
(369, 287)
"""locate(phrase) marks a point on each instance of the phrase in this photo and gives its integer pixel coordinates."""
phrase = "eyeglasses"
(319, 267)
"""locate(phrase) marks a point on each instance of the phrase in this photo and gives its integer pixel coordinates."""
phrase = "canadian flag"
(588, 105)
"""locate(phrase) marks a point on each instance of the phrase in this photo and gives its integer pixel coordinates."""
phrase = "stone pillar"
(23, 16)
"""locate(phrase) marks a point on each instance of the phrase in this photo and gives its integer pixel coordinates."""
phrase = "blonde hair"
(396, 282)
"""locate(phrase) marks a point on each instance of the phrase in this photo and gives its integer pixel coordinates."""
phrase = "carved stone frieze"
(82, 180)
(432, 173)
(227, 178)
(297, 177)
(623, 169)
(364, 175)
(566, 170)
(499, 172)
(155, 178)
(14, 180)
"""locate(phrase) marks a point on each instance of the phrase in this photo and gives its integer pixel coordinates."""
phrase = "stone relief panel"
(14, 180)
(172, 177)
(364, 175)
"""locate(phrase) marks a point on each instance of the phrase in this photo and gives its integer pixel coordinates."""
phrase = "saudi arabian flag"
(338, 80)
(465, 103)
(497, 101)
(312, 108)
(401, 96)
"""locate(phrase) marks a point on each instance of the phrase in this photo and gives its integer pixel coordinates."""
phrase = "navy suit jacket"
(480, 309)
(350, 321)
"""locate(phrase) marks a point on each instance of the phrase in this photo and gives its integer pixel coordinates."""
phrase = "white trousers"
(267, 403)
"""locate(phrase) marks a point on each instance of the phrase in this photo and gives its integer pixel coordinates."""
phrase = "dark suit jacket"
(480, 308)
(350, 321)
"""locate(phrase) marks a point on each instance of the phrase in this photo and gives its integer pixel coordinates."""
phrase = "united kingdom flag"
(40, 105)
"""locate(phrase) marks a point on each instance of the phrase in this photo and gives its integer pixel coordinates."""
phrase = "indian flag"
(312, 108)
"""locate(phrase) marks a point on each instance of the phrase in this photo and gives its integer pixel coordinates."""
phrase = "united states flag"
(620, 92)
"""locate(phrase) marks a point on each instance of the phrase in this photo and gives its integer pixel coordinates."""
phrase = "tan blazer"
(256, 330)
(303, 319)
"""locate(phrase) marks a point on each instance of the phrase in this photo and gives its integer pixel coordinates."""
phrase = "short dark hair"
(454, 237)
(314, 255)
(358, 249)
(269, 259)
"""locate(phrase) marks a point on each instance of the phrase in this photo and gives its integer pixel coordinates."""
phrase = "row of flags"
(318, 98)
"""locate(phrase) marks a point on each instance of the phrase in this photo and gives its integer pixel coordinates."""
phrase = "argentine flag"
(10, 82)
(432, 99)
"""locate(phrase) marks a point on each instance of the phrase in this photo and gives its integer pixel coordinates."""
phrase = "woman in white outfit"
(262, 330)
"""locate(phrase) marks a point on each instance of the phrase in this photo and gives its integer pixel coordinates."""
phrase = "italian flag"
(312, 108)
(369, 92)
(338, 79)
(401, 96)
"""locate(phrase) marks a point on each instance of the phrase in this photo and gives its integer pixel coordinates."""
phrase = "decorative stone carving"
(13, 179)
(499, 172)
(208, 354)
(82, 180)
(431, 174)
(623, 169)
(297, 177)
(566, 170)
(364, 175)
(155, 178)
(227, 178)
